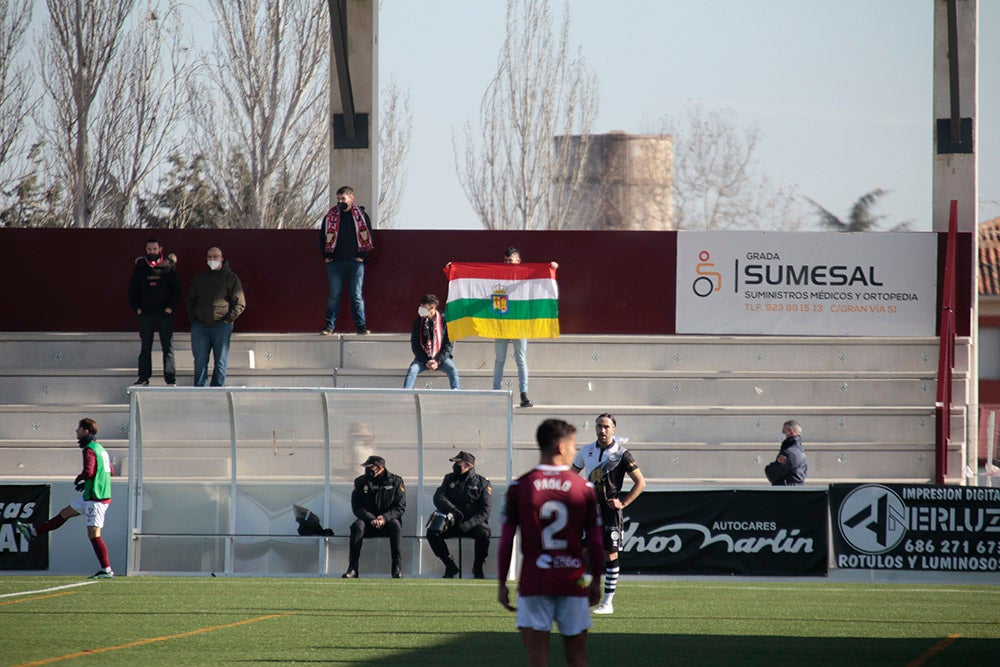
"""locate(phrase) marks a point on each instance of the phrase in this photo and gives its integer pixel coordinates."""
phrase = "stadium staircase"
(695, 410)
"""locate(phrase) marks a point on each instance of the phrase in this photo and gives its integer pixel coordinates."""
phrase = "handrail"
(946, 355)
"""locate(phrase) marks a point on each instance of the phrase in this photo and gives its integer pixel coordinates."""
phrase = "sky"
(841, 89)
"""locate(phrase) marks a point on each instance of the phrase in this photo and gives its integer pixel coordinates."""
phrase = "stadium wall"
(611, 282)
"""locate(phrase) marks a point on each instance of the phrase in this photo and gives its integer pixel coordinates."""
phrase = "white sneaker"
(604, 608)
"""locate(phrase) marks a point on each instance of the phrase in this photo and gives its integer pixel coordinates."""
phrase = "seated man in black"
(379, 501)
(464, 497)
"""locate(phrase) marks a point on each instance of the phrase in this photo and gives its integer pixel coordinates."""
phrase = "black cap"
(464, 456)
(374, 461)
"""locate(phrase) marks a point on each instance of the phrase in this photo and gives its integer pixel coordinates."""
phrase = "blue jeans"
(338, 272)
(445, 365)
(520, 358)
(214, 339)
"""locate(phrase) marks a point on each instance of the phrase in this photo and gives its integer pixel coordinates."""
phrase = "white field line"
(47, 590)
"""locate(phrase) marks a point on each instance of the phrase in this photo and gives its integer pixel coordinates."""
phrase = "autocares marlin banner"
(916, 527)
(29, 504)
(795, 283)
(759, 532)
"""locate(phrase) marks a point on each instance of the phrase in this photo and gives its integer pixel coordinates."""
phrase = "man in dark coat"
(378, 501)
(464, 498)
(153, 294)
(789, 468)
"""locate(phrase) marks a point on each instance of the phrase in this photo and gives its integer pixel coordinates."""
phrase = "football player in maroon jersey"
(554, 508)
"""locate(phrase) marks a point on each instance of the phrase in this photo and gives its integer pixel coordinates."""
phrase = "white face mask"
(214, 264)
(423, 312)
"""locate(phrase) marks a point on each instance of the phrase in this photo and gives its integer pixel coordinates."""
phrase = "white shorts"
(571, 614)
(92, 510)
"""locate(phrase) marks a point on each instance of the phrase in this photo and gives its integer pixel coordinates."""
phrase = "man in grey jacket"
(215, 301)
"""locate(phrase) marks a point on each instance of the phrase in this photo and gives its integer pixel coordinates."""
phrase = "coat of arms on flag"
(495, 300)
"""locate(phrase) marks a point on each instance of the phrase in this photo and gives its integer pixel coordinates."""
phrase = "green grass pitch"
(242, 621)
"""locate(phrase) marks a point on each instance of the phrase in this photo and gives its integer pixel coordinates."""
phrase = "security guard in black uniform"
(379, 501)
(464, 501)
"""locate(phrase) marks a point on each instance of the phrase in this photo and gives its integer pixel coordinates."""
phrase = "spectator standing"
(464, 497)
(345, 238)
(513, 256)
(789, 468)
(606, 462)
(153, 294)
(430, 344)
(378, 501)
(215, 300)
(95, 484)
(553, 508)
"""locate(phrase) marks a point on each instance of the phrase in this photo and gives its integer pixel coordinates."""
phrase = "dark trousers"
(151, 321)
(361, 529)
(480, 534)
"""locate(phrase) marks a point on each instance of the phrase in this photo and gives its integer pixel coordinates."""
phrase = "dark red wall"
(77, 280)
(609, 282)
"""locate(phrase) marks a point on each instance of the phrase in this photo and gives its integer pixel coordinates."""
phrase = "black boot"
(477, 571)
(450, 569)
(397, 571)
(525, 401)
(352, 572)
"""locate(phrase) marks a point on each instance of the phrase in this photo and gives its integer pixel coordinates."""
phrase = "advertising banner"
(29, 504)
(916, 527)
(820, 284)
(766, 532)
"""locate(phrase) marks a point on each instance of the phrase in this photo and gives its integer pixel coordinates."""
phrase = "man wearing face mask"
(345, 238)
(215, 301)
(789, 467)
(430, 344)
(378, 501)
(464, 499)
(153, 294)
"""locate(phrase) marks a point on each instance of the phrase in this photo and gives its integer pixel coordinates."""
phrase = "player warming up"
(553, 507)
(95, 483)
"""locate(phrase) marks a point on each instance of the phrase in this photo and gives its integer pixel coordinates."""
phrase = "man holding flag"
(509, 302)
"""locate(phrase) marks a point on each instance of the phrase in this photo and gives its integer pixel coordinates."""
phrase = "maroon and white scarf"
(332, 225)
(432, 345)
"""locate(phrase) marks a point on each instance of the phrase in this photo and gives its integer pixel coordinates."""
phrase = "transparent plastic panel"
(185, 433)
(475, 423)
(366, 423)
(165, 553)
(184, 508)
(291, 555)
(280, 435)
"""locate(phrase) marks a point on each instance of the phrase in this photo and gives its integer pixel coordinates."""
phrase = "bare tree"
(260, 111)
(514, 173)
(144, 103)
(396, 125)
(717, 182)
(15, 87)
(862, 217)
(80, 44)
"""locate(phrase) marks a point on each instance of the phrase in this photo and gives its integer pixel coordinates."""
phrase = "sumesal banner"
(820, 284)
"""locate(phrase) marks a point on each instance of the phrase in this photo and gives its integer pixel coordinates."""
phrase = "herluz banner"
(820, 284)
(29, 504)
(916, 527)
(765, 532)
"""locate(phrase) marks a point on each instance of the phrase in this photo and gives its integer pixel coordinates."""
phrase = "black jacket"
(154, 288)
(383, 495)
(347, 237)
(417, 335)
(468, 497)
(789, 468)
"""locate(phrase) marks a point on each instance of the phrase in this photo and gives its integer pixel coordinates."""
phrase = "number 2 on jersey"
(556, 512)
